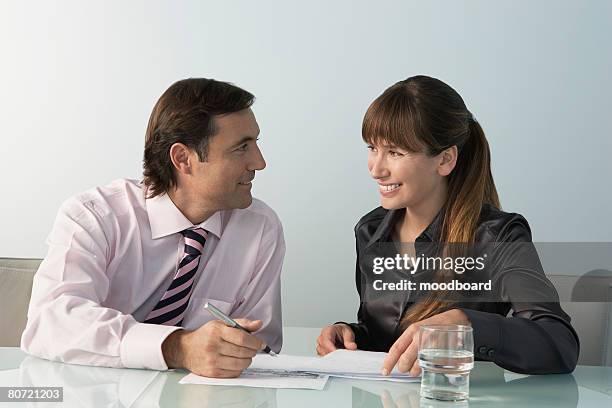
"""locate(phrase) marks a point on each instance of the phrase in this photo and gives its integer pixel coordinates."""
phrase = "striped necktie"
(170, 310)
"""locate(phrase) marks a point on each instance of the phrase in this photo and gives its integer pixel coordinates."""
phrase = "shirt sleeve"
(538, 338)
(262, 298)
(538, 344)
(360, 329)
(67, 320)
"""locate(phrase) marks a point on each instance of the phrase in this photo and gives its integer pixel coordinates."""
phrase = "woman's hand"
(404, 351)
(334, 337)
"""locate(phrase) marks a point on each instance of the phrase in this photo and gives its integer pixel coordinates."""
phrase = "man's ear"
(181, 159)
(447, 161)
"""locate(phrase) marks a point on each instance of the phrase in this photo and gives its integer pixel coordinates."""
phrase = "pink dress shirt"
(113, 253)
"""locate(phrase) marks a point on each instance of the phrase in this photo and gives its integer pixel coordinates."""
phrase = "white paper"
(356, 362)
(287, 371)
(262, 380)
(402, 379)
(346, 363)
(282, 362)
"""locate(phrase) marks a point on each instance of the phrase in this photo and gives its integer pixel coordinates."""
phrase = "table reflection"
(488, 388)
(112, 387)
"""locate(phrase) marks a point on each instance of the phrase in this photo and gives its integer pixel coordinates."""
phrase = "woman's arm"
(538, 338)
(530, 342)
(360, 329)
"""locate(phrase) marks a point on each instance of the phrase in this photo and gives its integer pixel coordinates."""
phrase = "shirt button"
(491, 353)
(482, 349)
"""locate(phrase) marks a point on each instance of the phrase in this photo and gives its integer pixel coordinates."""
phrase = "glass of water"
(446, 356)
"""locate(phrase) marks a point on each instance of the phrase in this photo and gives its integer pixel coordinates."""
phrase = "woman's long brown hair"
(423, 114)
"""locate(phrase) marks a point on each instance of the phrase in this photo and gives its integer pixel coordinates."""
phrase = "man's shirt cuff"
(141, 346)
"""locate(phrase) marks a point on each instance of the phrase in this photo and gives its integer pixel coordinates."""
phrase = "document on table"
(264, 379)
(287, 371)
(340, 363)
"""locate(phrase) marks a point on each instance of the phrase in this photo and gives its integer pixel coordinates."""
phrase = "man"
(131, 264)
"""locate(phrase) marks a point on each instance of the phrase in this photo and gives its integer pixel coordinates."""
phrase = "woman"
(431, 161)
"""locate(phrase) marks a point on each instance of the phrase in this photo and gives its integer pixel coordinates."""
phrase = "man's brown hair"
(185, 114)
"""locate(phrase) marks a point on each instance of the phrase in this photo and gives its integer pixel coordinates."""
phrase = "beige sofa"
(15, 290)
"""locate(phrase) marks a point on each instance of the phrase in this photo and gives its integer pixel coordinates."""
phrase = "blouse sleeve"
(538, 338)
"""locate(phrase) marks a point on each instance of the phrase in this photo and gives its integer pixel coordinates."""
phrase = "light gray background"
(79, 79)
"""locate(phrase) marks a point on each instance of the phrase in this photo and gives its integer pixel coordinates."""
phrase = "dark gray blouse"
(536, 339)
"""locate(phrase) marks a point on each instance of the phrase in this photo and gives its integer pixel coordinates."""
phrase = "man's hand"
(213, 350)
(334, 337)
(405, 349)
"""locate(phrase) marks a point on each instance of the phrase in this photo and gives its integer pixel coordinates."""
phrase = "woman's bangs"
(390, 121)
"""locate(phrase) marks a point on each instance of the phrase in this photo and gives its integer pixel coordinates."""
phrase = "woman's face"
(405, 179)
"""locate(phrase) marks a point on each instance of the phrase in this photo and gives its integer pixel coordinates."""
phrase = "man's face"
(223, 181)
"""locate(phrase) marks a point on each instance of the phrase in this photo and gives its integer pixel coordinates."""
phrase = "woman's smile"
(388, 189)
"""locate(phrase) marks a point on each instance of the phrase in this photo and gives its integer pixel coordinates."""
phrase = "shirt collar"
(166, 219)
(433, 230)
(385, 229)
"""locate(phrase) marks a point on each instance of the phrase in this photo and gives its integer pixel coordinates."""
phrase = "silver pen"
(232, 323)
